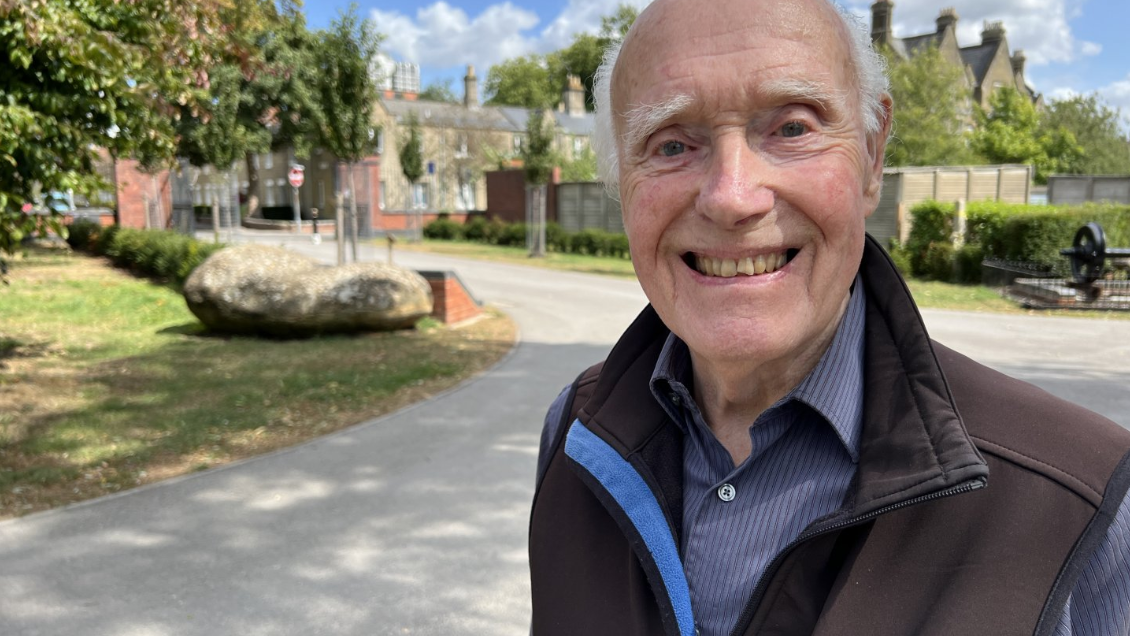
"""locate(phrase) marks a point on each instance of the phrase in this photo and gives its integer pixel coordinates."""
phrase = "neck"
(733, 393)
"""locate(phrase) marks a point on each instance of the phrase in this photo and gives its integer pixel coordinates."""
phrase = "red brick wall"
(135, 188)
(452, 302)
(404, 220)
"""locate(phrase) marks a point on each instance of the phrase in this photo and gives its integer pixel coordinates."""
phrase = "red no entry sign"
(296, 176)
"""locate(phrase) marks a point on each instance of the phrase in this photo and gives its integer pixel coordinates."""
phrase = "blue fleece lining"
(640, 505)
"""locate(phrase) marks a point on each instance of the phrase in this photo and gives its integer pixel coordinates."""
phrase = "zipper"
(771, 569)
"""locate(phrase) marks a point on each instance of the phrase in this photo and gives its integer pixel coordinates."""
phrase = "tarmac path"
(413, 523)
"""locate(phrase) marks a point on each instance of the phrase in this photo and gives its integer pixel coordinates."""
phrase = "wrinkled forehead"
(674, 41)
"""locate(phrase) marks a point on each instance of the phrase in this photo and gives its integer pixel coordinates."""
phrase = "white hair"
(870, 75)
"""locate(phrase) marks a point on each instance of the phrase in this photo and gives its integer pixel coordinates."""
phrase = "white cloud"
(1040, 27)
(1090, 48)
(441, 35)
(1118, 95)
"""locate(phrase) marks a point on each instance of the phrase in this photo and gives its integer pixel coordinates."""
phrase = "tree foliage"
(538, 158)
(345, 87)
(439, 92)
(87, 76)
(521, 81)
(1096, 128)
(411, 155)
(537, 81)
(1011, 133)
(931, 111)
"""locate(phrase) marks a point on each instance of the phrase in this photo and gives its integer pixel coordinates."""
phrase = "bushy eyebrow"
(643, 120)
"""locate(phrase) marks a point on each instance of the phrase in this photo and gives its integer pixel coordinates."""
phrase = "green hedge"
(1005, 231)
(159, 253)
(498, 232)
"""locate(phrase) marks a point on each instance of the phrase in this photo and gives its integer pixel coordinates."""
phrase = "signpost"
(296, 177)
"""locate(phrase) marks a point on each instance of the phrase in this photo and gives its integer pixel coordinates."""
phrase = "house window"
(380, 141)
(321, 194)
(269, 189)
(517, 143)
(381, 194)
(269, 160)
(461, 146)
(420, 195)
(466, 198)
(256, 161)
(578, 146)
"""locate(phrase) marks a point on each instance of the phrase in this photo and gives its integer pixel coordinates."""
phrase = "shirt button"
(675, 399)
(726, 492)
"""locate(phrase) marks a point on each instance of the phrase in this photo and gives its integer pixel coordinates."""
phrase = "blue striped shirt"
(804, 452)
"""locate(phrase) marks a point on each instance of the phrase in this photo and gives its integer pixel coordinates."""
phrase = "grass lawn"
(931, 294)
(620, 267)
(107, 382)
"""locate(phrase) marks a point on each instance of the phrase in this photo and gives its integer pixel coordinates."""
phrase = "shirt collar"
(834, 387)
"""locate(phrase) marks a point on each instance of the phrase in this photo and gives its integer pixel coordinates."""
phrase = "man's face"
(743, 152)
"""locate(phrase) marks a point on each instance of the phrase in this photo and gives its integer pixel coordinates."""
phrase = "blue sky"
(1072, 46)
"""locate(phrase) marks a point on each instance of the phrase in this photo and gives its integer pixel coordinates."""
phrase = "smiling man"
(776, 446)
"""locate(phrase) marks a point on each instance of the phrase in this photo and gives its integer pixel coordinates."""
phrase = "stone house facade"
(987, 66)
(462, 141)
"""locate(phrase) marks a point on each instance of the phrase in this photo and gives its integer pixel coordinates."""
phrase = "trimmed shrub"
(901, 257)
(443, 230)
(932, 223)
(82, 233)
(159, 253)
(938, 262)
(557, 239)
(476, 230)
(512, 234)
(967, 264)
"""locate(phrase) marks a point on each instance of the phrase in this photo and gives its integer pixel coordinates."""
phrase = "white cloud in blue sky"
(442, 36)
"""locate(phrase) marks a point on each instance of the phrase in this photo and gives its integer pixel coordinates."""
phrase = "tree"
(412, 163)
(521, 81)
(82, 78)
(538, 161)
(581, 168)
(347, 92)
(439, 92)
(280, 79)
(1011, 133)
(931, 110)
(1096, 129)
(614, 27)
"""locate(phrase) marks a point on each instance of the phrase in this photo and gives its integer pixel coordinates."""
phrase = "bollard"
(317, 237)
(391, 241)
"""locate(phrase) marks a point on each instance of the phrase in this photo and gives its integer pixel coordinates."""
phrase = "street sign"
(296, 176)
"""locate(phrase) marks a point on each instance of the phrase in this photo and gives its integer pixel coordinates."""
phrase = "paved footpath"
(413, 523)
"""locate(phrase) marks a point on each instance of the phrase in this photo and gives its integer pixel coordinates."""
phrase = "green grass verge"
(608, 266)
(107, 381)
(928, 294)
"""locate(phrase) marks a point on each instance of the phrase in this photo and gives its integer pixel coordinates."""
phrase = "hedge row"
(159, 253)
(498, 232)
(1031, 234)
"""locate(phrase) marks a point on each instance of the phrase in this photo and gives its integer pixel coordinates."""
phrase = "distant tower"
(471, 88)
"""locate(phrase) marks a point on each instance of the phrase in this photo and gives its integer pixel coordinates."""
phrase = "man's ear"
(876, 151)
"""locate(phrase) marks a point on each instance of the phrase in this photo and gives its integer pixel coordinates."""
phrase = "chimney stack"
(947, 18)
(992, 32)
(574, 97)
(881, 21)
(1018, 60)
(471, 88)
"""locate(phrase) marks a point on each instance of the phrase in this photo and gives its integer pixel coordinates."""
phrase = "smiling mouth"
(747, 266)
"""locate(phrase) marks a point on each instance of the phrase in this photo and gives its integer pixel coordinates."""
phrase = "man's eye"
(793, 129)
(672, 148)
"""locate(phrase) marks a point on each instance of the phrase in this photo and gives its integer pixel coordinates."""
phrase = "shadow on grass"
(211, 398)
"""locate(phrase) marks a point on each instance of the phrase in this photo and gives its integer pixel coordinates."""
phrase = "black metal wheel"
(1089, 255)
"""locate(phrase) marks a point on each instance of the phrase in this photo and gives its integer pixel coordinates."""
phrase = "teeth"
(749, 266)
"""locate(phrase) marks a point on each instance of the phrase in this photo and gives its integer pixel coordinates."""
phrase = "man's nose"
(734, 189)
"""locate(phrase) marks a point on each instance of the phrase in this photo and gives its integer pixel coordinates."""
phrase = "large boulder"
(273, 291)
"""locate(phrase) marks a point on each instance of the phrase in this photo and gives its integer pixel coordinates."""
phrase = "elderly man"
(775, 446)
